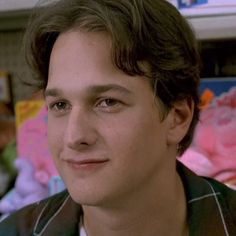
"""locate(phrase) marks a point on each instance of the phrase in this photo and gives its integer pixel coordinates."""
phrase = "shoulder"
(227, 196)
(206, 196)
(211, 204)
(199, 186)
(22, 222)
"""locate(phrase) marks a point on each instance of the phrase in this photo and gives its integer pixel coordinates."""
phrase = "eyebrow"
(95, 89)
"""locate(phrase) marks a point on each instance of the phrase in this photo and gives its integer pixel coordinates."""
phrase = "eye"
(110, 105)
(109, 102)
(60, 107)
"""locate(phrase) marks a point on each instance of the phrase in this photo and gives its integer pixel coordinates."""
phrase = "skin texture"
(108, 142)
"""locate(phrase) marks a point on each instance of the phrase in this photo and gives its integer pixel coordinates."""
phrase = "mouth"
(86, 164)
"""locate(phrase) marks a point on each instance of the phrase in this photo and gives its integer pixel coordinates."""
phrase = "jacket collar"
(208, 212)
(60, 216)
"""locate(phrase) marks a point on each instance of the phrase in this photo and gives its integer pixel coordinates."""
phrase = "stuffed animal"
(213, 152)
(26, 190)
(32, 141)
(37, 176)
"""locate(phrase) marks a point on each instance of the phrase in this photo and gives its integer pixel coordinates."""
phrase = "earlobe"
(180, 118)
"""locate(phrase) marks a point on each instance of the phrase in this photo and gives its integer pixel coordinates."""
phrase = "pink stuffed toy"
(33, 145)
(213, 152)
(37, 176)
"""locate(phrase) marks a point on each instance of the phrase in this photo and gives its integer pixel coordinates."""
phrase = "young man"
(121, 86)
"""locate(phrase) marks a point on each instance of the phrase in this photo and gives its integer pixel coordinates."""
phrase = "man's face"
(104, 129)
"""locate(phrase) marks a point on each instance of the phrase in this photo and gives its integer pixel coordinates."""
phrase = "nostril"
(84, 143)
(78, 145)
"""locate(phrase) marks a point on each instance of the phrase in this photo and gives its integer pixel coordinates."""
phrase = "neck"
(160, 210)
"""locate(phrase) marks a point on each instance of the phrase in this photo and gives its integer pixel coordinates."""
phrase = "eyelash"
(54, 106)
(112, 100)
(105, 104)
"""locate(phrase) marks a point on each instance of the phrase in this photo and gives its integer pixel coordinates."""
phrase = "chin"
(87, 198)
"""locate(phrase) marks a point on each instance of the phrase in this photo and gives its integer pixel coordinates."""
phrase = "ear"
(180, 117)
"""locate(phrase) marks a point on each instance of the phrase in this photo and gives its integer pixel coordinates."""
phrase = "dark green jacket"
(211, 211)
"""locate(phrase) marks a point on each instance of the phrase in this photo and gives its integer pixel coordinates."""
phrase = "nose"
(80, 134)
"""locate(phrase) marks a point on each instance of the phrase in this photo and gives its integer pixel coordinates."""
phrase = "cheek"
(55, 136)
(137, 149)
(135, 139)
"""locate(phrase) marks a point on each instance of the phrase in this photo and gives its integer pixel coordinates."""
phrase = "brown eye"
(109, 102)
(110, 105)
(60, 105)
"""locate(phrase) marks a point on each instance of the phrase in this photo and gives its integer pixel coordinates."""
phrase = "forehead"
(83, 59)
(81, 40)
(76, 49)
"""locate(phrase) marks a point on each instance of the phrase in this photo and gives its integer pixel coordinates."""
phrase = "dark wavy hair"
(150, 31)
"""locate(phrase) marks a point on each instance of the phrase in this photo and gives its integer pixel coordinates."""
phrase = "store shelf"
(14, 20)
(14, 14)
(213, 20)
(214, 27)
